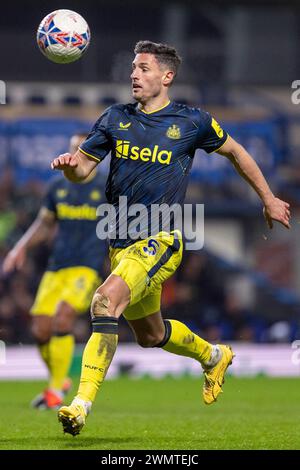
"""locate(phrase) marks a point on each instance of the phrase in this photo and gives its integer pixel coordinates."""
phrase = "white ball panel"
(70, 21)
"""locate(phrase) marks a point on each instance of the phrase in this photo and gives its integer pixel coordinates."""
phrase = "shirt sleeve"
(48, 201)
(97, 144)
(210, 135)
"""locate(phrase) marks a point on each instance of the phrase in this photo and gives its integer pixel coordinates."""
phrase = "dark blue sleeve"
(49, 198)
(97, 144)
(210, 136)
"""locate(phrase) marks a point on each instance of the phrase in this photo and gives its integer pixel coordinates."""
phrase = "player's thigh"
(146, 264)
(146, 306)
(48, 295)
(80, 283)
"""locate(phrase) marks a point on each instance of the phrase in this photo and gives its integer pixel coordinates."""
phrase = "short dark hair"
(164, 54)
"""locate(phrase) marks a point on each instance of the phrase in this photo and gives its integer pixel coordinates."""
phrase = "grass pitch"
(257, 413)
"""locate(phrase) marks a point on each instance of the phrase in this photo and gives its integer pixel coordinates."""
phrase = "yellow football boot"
(72, 418)
(214, 376)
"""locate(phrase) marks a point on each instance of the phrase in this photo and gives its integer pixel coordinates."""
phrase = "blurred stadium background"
(240, 59)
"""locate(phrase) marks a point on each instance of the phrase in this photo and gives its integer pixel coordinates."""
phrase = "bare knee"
(109, 301)
(41, 328)
(63, 321)
(100, 306)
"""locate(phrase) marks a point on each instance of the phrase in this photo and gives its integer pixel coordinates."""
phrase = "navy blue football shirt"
(74, 206)
(151, 153)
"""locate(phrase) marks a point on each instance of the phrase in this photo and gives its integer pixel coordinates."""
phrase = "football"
(63, 36)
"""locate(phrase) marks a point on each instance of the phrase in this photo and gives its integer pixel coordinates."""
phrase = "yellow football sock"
(60, 356)
(44, 352)
(182, 341)
(97, 356)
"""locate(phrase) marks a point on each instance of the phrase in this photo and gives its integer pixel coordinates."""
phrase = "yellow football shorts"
(144, 266)
(75, 285)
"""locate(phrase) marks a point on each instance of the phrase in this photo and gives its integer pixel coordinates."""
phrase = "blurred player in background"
(152, 146)
(73, 273)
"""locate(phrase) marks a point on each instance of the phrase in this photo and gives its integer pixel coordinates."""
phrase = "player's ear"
(168, 77)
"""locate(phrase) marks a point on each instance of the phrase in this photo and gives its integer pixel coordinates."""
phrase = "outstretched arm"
(76, 167)
(274, 208)
(40, 230)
